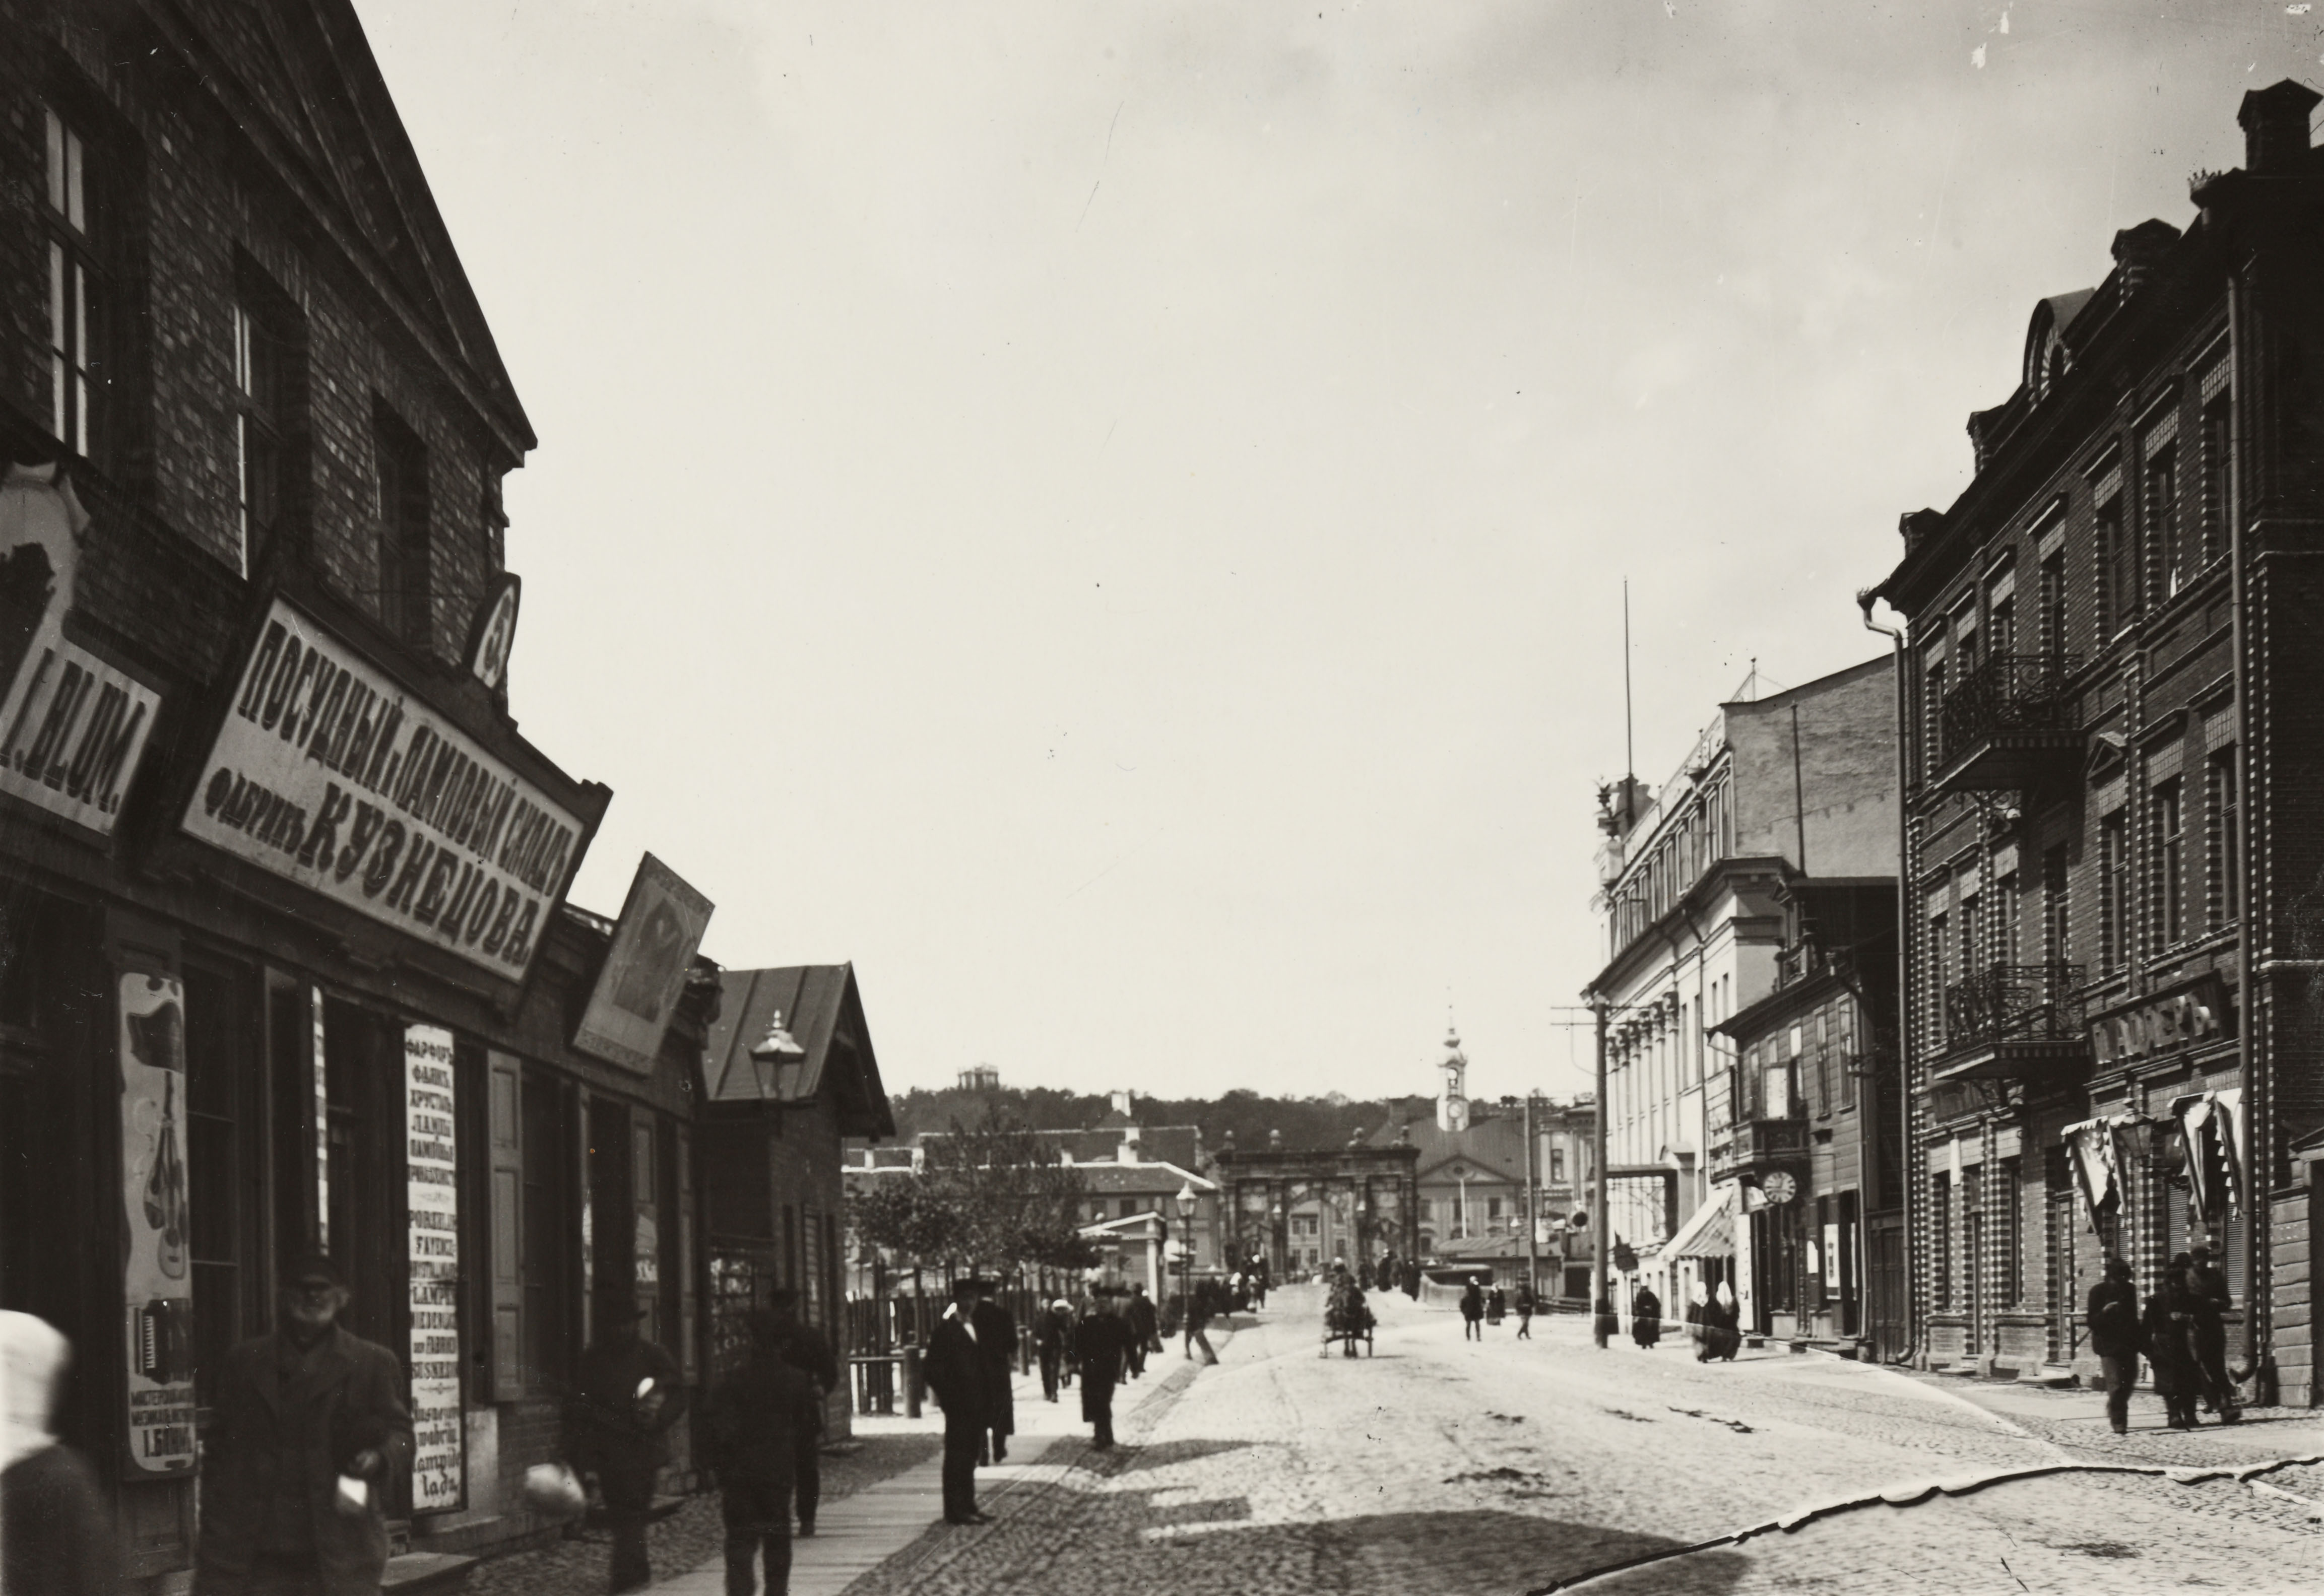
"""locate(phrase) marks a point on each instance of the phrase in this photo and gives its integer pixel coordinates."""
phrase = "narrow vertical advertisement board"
(438, 1456)
(157, 1272)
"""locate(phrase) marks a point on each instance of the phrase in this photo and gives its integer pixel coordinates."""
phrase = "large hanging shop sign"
(72, 726)
(432, 1182)
(156, 1280)
(325, 774)
(653, 943)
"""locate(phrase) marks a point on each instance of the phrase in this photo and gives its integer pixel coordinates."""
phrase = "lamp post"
(1186, 1201)
(778, 1062)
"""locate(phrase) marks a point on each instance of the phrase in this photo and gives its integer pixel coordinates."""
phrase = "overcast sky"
(1112, 516)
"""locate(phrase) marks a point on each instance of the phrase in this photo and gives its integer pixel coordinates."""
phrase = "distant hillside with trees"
(1307, 1122)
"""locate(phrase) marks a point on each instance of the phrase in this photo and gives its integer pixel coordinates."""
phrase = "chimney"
(2138, 250)
(1128, 1154)
(2275, 121)
(1121, 1104)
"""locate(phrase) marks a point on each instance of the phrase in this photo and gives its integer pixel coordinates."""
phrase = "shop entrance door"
(1891, 1331)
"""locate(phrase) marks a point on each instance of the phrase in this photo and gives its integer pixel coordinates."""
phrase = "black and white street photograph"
(1237, 798)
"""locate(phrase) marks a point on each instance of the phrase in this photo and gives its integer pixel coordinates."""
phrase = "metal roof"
(822, 1009)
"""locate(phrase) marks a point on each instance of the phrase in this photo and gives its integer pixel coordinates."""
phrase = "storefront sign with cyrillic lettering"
(328, 774)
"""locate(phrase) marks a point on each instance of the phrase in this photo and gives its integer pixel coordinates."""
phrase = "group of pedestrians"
(1481, 1307)
(2179, 1330)
(971, 1370)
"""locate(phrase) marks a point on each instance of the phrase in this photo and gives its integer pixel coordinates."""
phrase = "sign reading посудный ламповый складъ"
(328, 774)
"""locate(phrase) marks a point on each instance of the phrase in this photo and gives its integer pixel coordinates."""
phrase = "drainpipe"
(2259, 1160)
(1866, 1125)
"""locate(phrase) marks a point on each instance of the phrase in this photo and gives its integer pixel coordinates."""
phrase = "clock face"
(1780, 1188)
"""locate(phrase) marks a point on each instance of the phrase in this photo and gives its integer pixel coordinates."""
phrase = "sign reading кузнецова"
(325, 774)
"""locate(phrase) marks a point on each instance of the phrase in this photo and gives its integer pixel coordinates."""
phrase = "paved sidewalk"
(858, 1533)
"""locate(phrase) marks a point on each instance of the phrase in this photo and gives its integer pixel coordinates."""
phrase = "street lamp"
(778, 1062)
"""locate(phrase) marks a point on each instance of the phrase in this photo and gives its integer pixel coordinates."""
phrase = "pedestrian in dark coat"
(807, 1350)
(1497, 1306)
(1053, 1332)
(996, 1334)
(1101, 1346)
(293, 1412)
(1645, 1317)
(1527, 1303)
(2169, 1331)
(2210, 1282)
(751, 1432)
(1472, 1310)
(961, 1375)
(1198, 1320)
(626, 1394)
(1145, 1329)
(1726, 1316)
(56, 1534)
(2118, 1339)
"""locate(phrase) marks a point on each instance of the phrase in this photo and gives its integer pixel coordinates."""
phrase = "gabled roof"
(1125, 1180)
(824, 1012)
(300, 78)
(1169, 1144)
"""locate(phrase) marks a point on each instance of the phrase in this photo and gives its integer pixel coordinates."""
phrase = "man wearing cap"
(625, 1397)
(1053, 1332)
(806, 1348)
(961, 1376)
(310, 1427)
(1145, 1329)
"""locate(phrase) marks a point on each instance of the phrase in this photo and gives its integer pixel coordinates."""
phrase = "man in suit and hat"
(1101, 1345)
(310, 1427)
(807, 1350)
(960, 1374)
(625, 1397)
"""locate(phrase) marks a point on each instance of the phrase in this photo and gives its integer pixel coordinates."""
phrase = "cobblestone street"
(1458, 1468)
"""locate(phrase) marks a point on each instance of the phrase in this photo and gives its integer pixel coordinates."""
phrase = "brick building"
(2112, 760)
(1781, 793)
(285, 957)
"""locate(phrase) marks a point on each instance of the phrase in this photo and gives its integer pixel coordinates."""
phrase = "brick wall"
(197, 206)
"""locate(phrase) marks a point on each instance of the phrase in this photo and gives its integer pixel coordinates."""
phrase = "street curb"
(1906, 1496)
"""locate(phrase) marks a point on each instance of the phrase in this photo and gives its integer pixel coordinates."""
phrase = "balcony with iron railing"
(2007, 723)
(1753, 1147)
(2013, 1022)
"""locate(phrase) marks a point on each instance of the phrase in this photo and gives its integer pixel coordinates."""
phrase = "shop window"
(362, 1077)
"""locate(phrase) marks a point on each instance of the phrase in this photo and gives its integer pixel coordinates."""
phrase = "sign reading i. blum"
(328, 774)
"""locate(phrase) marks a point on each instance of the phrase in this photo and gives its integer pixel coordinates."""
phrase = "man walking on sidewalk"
(625, 1397)
(1101, 1346)
(2115, 1338)
(807, 1350)
(996, 1336)
(959, 1374)
(751, 1431)
(1145, 1329)
(1198, 1317)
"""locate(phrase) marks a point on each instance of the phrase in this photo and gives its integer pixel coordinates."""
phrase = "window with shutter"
(504, 1096)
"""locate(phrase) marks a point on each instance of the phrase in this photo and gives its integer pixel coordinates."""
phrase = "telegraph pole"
(1531, 1206)
(1602, 1289)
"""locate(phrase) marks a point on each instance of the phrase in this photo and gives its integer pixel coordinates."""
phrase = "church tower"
(1453, 1102)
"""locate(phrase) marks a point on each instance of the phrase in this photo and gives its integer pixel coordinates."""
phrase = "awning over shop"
(1709, 1229)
